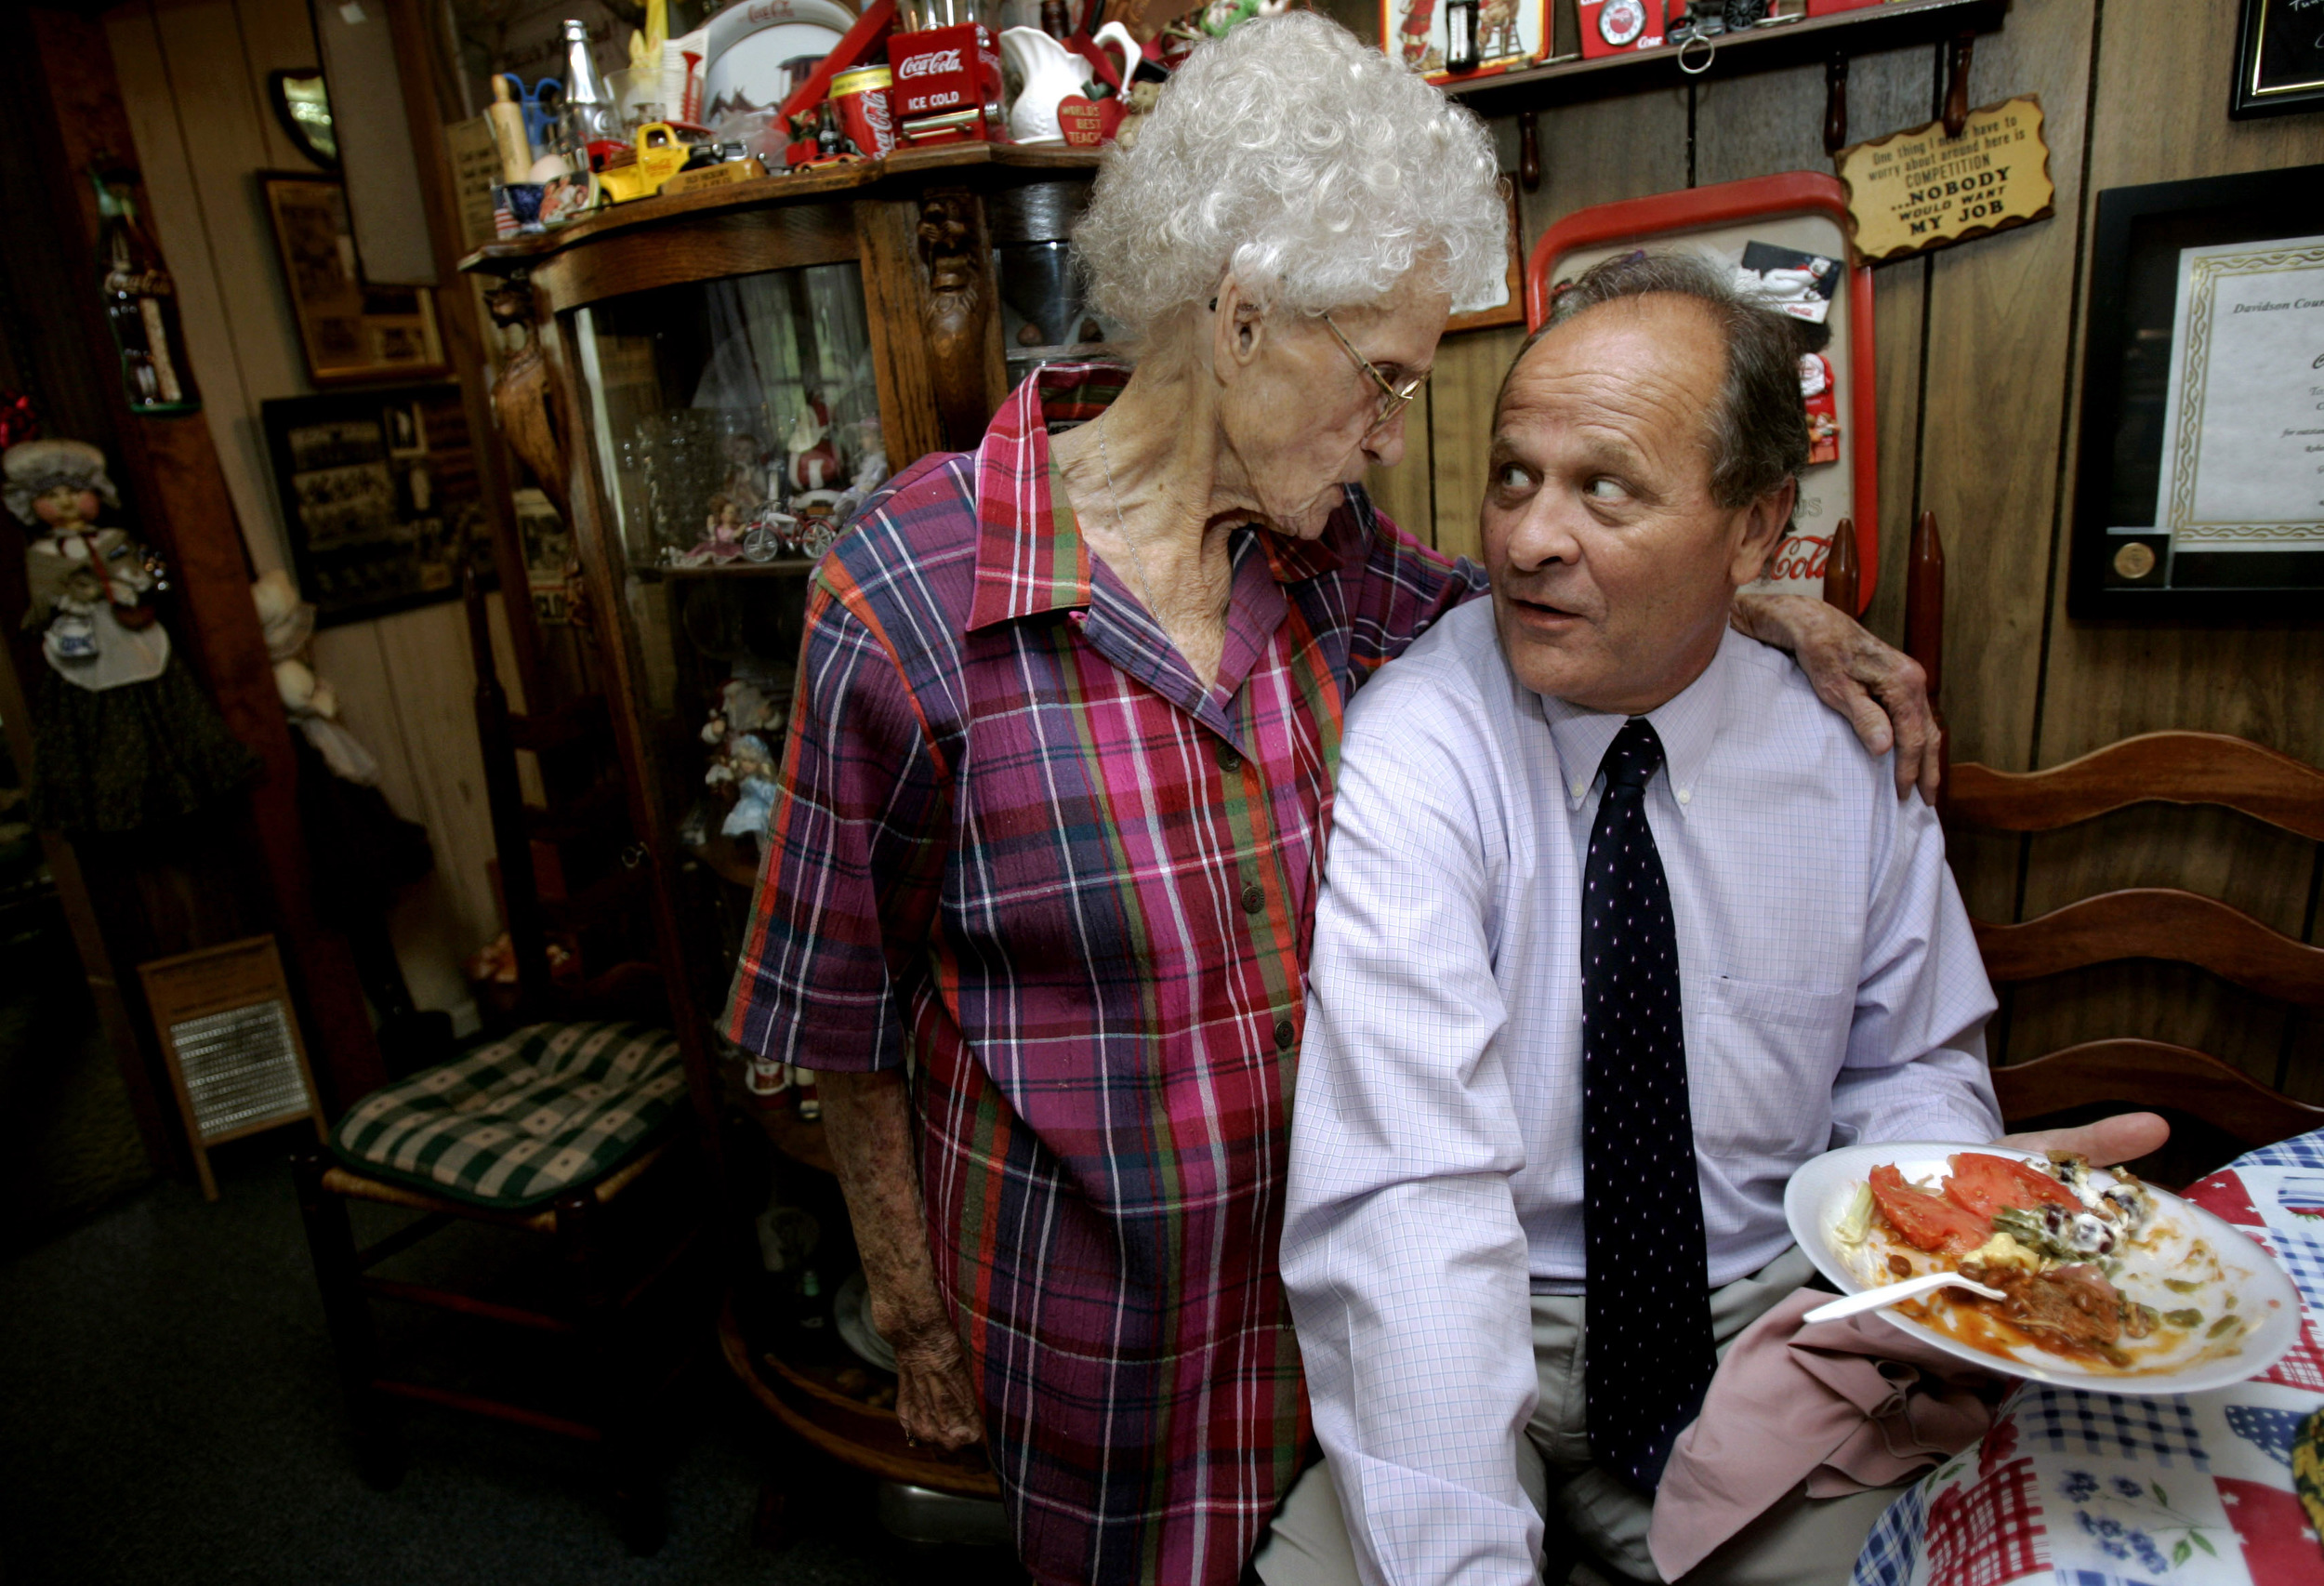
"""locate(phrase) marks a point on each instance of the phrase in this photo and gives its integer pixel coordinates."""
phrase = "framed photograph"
(1509, 307)
(381, 497)
(1511, 34)
(350, 330)
(2195, 487)
(2279, 59)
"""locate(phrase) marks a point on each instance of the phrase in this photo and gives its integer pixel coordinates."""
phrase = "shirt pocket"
(1764, 1054)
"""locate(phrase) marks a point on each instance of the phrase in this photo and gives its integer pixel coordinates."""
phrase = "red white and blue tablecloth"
(2091, 1489)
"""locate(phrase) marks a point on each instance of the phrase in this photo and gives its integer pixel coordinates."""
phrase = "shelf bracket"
(1835, 104)
(1957, 83)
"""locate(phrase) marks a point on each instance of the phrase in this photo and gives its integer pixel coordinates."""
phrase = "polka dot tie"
(1648, 1349)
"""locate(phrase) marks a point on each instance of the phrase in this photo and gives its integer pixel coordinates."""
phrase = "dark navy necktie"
(1649, 1348)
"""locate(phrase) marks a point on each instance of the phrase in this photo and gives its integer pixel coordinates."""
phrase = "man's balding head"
(1644, 450)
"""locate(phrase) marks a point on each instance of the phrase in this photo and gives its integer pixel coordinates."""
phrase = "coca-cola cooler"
(946, 85)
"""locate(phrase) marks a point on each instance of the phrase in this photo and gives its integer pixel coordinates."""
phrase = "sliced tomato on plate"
(1927, 1220)
(1985, 1184)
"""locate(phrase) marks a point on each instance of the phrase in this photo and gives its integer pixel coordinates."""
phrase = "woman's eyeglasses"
(1394, 397)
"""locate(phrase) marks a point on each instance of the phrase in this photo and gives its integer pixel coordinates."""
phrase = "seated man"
(1619, 929)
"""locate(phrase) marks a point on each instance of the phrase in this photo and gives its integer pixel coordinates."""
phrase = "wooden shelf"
(802, 1142)
(861, 1435)
(1896, 26)
(807, 186)
(783, 567)
(726, 858)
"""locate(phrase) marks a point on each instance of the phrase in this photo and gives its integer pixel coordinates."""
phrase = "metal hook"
(1710, 49)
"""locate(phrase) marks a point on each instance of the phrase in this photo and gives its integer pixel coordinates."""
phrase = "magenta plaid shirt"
(1018, 844)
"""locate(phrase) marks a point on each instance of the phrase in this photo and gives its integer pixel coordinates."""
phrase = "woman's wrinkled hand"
(1883, 693)
(935, 1397)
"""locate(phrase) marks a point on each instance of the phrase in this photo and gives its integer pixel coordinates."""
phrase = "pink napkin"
(1843, 1406)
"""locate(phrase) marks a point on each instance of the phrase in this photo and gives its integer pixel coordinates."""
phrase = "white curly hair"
(1315, 168)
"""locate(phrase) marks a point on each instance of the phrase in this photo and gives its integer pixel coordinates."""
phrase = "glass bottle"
(590, 116)
(141, 305)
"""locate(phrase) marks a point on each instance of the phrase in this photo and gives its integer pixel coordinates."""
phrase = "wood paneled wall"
(195, 75)
(1979, 355)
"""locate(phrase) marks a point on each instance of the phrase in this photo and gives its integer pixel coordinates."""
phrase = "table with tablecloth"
(2099, 1490)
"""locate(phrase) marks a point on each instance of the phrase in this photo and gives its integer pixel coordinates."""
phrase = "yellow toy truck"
(657, 155)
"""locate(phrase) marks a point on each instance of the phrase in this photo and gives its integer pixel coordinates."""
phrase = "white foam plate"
(1820, 1192)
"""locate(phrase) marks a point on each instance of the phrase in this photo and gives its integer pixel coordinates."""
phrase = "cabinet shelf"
(908, 168)
(783, 567)
(1898, 25)
(800, 1141)
(865, 1436)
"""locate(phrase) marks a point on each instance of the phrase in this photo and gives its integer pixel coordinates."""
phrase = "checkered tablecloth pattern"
(2085, 1489)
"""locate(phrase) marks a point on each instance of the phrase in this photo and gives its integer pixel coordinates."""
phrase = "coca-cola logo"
(928, 65)
(1802, 559)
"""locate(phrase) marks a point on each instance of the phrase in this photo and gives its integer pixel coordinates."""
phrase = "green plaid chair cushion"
(522, 1120)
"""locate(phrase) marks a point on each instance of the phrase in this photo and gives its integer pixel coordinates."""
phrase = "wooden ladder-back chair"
(574, 1127)
(2159, 923)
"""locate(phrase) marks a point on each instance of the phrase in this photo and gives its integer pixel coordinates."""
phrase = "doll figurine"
(745, 471)
(123, 738)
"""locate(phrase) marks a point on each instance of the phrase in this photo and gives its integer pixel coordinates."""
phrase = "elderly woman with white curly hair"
(1051, 824)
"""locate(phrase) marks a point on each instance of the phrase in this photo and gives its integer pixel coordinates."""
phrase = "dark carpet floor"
(170, 1414)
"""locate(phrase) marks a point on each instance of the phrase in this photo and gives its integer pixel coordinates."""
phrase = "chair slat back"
(2169, 768)
(2152, 1075)
(2157, 922)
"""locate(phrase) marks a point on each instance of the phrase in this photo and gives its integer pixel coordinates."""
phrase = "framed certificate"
(2199, 486)
(2279, 59)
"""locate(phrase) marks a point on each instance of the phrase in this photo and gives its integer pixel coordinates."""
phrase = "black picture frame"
(381, 497)
(2279, 60)
(2126, 372)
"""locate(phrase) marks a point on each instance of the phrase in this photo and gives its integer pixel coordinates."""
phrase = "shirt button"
(1284, 1032)
(1229, 761)
(1253, 899)
(1686, 795)
(1579, 788)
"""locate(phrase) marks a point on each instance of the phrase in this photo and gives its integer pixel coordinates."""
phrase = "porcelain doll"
(124, 737)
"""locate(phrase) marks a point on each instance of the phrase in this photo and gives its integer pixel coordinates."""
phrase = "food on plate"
(2091, 1273)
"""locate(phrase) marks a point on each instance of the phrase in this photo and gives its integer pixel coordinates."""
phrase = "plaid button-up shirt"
(1018, 844)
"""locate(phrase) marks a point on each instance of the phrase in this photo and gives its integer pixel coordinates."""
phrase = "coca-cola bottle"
(141, 305)
(590, 116)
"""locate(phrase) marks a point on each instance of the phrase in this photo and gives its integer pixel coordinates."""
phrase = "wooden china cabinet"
(671, 358)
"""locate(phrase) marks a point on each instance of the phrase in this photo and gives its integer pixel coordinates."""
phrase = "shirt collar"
(1688, 723)
(1030, 555)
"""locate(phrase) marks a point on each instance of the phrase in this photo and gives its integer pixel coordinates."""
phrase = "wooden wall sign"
(1916, 190)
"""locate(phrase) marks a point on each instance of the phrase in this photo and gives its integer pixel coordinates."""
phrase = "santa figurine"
(813, 461)
(1823, 409)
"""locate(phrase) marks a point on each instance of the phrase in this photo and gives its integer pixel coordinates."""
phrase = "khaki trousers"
(1591, 1512)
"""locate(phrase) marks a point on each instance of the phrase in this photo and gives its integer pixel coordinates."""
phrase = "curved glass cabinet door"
(736, 424)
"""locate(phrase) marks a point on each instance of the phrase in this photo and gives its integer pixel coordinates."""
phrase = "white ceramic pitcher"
(1050, 73)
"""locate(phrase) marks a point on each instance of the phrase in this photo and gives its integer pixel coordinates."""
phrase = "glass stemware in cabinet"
(736, 427)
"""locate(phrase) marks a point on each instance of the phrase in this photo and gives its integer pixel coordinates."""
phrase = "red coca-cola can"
(861, 97)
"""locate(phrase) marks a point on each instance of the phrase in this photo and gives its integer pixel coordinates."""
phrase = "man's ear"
(1762, 526)
(1238, 327)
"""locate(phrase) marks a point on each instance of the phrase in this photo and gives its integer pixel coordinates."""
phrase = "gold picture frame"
(348, 330)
